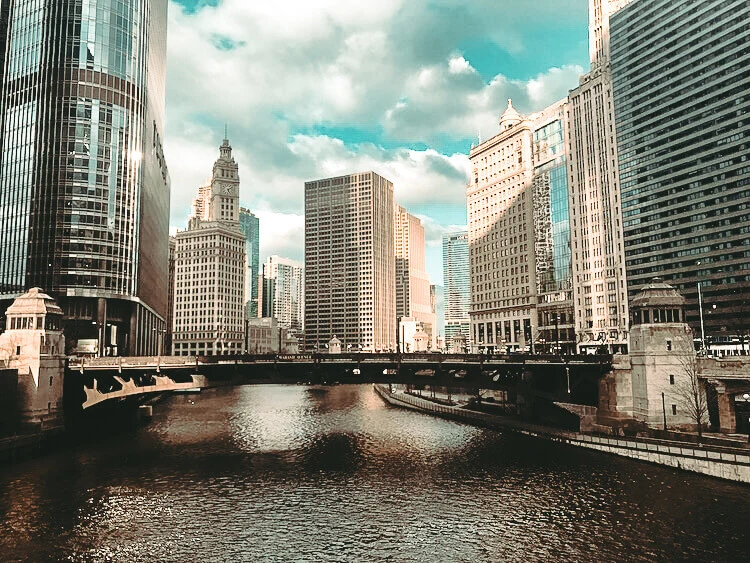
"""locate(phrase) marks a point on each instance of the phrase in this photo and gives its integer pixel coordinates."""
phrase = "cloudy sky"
(316, 88)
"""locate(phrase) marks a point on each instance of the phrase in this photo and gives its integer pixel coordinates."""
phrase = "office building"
(250, 226)
(265, 335)
(350, 263)
(210, 265)
(84, 187)
(412, 280)
(282, 292)
(597, 246)
(456, 286)
(167, 346)
(519, 236)
(501, 238)
(682, 105)
(437, 301)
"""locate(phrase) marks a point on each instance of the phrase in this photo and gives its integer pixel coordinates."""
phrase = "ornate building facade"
(210, 264)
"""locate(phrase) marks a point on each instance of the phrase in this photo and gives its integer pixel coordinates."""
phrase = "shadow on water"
(337, 452)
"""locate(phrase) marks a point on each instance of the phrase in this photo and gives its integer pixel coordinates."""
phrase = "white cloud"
(283, 73)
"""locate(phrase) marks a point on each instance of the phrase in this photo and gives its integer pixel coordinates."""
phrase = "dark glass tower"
(681, 78)
(250, 226)
(84, 189)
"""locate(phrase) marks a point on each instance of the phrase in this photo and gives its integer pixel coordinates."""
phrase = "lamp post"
(99, 344)
(746, 396)
(664, 410)
(557, 332)
(700, 310)
(161, 333)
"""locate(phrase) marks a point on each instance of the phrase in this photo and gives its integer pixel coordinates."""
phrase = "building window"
(674, 409)
(671, 379)
(18, 350)
(669, 344)
(50, 381)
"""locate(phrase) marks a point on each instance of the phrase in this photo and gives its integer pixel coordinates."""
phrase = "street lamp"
(99, 343)
(746, 396)
(700, 309)
(557, 332)
(160, 339)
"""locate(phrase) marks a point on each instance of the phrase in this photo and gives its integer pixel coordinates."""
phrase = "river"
(291, 473)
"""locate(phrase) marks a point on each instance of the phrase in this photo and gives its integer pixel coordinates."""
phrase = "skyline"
(359, 92)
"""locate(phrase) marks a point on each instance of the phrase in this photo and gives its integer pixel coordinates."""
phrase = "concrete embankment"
(725, 463)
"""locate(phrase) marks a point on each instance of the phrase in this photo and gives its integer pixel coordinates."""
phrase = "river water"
(291, 473)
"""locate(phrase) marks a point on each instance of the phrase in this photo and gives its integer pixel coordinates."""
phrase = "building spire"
(226, 132)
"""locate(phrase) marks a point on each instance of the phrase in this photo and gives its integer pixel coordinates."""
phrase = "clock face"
(227, 189)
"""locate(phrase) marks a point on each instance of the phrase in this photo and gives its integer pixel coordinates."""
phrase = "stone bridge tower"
(662, 356)
(33, 344)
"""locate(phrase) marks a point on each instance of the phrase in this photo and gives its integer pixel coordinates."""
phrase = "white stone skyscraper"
(501, 237)
(412, 279)
(350, 263)
(599, 280)
(519, 236)
(282, 292)
(210, 263)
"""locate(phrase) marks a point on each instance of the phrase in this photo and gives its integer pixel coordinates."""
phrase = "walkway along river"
(293, 473)
(723, 462)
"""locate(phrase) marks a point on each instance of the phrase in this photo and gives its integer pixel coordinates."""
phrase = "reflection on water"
(275, 473)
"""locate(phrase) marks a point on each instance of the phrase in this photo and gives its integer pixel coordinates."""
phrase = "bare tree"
(691, 394)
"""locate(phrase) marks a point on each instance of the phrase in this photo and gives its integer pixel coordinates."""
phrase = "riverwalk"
(731, 463)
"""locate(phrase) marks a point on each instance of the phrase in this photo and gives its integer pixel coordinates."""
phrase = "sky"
(316, 88)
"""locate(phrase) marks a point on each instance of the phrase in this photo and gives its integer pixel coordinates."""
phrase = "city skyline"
(347, 120)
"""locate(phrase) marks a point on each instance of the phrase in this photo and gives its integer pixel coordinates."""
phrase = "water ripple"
(295, 474)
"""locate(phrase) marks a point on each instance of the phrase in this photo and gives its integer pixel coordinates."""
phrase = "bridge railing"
(354, 357)
(415, 357)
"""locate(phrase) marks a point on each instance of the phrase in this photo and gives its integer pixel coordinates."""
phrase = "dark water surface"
(272, 473)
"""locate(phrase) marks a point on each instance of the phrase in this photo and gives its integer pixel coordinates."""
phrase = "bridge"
(571, 378)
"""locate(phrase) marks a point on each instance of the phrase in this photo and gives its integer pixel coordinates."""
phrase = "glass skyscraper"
(681, 79)
(457, 286)
(84, 188)
(250, 227)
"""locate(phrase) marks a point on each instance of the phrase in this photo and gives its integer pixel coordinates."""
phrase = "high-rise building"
(599, 13)
(250, 226)
(682, 105)
(437, 300)
(412, 279)
(519, 236)
(210, 264)
(551, 219)
(457, 286)
(501, 237)
(350, 262)
(167, 346)
(84, 188)
(282, 292)
(597, 247)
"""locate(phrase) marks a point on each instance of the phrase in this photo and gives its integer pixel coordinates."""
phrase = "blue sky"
(317, 88)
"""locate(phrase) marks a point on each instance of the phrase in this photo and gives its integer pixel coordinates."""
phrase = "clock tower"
(210, 268)
(225, 187)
